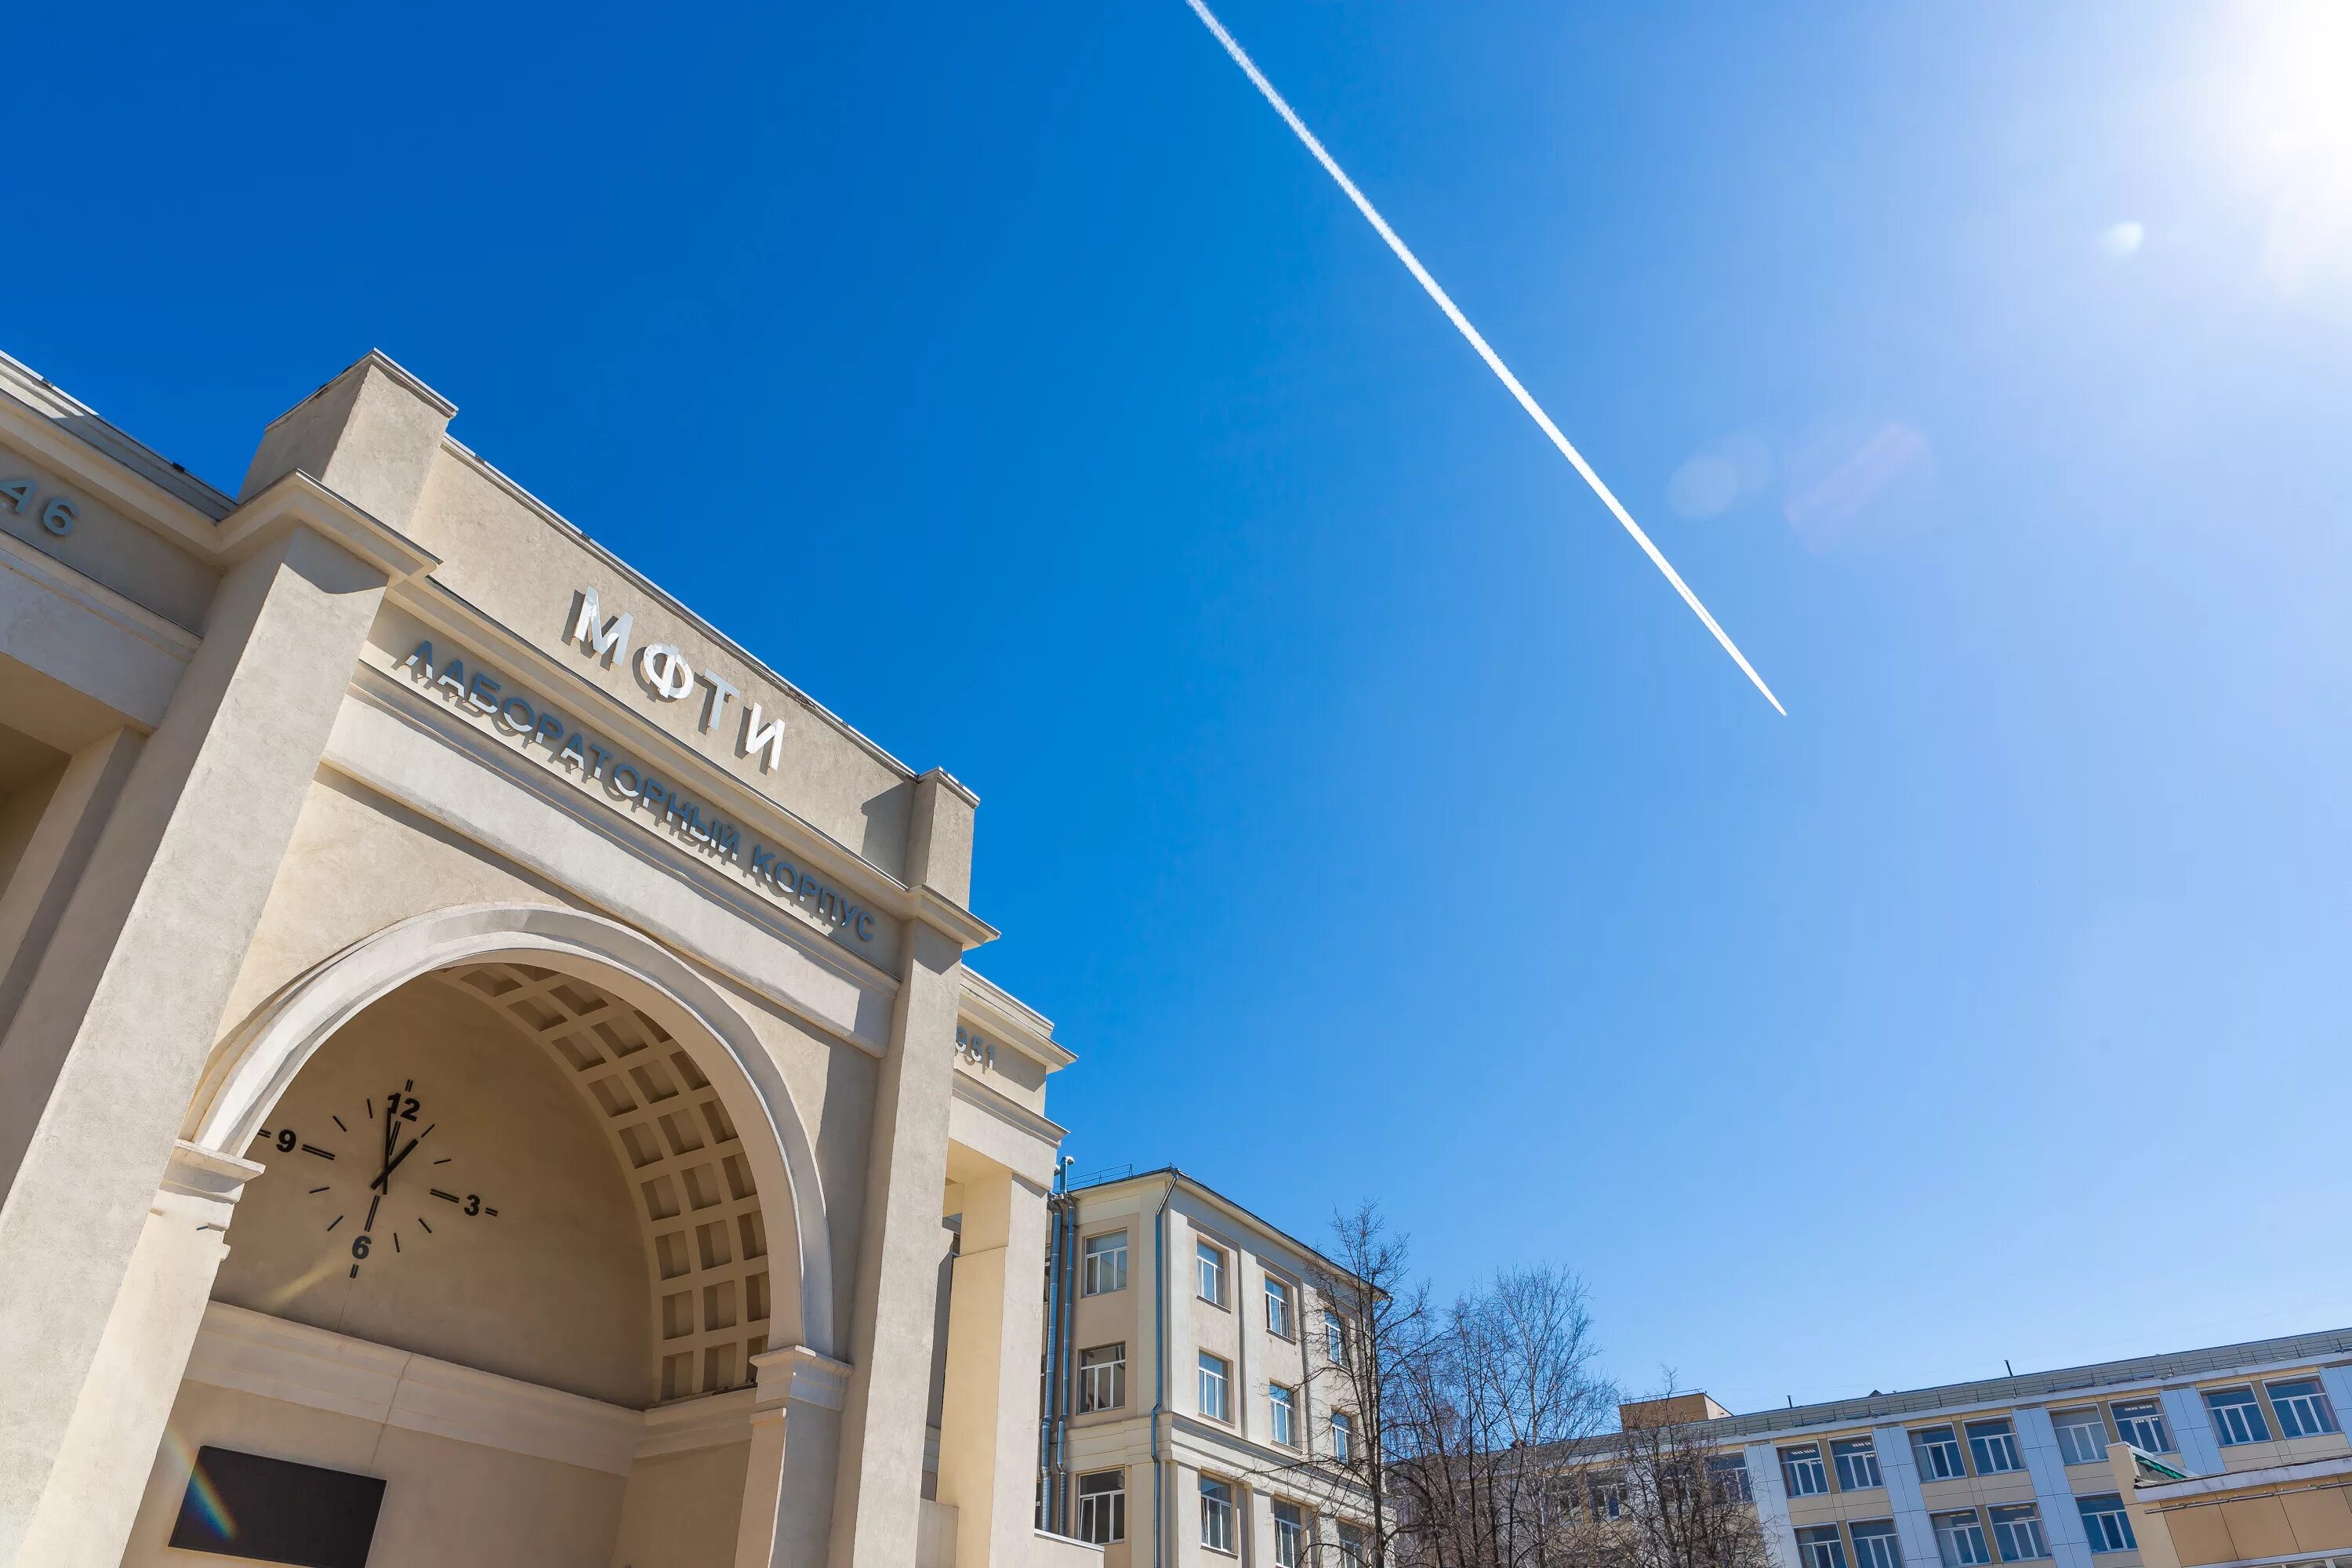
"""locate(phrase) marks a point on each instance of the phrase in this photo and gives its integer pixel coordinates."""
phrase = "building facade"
(1197, 1410)
(477, 1049)
(2050, 1466)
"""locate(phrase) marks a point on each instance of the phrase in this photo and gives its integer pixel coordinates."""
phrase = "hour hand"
(393, 1163)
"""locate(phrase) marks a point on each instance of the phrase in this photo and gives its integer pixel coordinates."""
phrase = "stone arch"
(261, 1057)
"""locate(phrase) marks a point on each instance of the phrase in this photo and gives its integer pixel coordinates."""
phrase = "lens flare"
(212, 1511)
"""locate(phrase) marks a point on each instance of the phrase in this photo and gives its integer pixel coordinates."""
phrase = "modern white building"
(485, 1061)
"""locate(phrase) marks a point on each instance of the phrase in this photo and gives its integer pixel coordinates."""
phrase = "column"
(877, 1496)
(788, 1482)
(59, 849)
(2061, 1521)
(2192, 1430)
(988, 1421)
(99, 1064)
(84, 1518)
(1899, 1468)
(1771, 1494)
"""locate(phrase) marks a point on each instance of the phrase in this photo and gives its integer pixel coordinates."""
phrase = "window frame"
(1210, 1260)
(1293, 1529)
(1217, 1501)
(2143, 1412)
(1803, 1460)
(2096, 1530)
(1283, 1293)
(1116, 1496)
(1334, 1337)
(2007, 1519)
(1876, 1531)
(1351, 1544)
(1946, 1449)
(1282, 1415)
(1973, 1532)
(1087, 1372)
(2231, 1415)
(1862, 1451)
(1224, 1374)
(2308, 1398)
(1342, 1426)
(1089, 1258)
(1997, 1436)
(2097, 1423)
(1821, 1546)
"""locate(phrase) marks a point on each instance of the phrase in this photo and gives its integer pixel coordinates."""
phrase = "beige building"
(485, 1063)
(1195, 1411)
(2107, 1466)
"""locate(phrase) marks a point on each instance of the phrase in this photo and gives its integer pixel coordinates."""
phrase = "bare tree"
(1685, 1504)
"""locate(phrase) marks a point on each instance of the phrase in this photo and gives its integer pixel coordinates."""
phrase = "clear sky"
(1368, 814)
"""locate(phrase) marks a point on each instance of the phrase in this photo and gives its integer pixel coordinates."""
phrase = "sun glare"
(2286, 95)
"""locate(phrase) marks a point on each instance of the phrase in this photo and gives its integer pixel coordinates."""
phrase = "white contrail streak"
(1494, 361)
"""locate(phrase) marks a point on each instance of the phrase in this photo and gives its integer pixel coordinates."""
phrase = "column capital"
(203, 1182)
(804, 1376)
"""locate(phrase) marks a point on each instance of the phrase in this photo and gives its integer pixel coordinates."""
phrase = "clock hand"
(383, 1181)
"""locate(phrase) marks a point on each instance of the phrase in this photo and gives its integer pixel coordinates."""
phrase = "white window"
(1819, 1547)
(2018, 1530)
(2140, 1422)
(1335, 1340)
(2237, 1417)
(1343, 1438)
(1213, 1274)
(1106, 1269)
(1857, 1464)
(1102, 1507)
(1215, 1377)
(2082, 1436)
(1290, 1535)
(1102, 1378)
(2302, 1408)
(1609, 1496)
(1959, 1539)
(1939, 1453)
(1730, 1473)
(1351, 1547)
(1874, 1543)
(1803, 1470)
(1277, 1306)
(1994, 1443)
(2107, 1522)
(1284, 1403)
(1216, 1515)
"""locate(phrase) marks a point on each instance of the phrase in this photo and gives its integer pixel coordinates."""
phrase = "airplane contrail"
(1461, 324)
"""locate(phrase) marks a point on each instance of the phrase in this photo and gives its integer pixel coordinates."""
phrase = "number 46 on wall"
(59, 516)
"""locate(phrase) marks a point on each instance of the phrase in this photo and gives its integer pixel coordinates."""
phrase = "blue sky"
(1368, 814)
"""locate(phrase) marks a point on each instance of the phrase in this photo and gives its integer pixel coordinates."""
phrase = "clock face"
(378, 1179)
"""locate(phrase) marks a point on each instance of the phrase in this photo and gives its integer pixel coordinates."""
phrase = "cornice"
(935, 908)
(1018, 1117)
(107, 474)
(296, 499)
(1009, 1019)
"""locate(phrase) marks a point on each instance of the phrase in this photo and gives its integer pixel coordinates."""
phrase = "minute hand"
(404, 1153)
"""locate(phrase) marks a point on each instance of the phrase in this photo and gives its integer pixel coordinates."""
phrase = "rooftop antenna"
(1471, 335)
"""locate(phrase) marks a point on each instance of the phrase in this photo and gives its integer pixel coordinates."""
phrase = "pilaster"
(2061, 1521)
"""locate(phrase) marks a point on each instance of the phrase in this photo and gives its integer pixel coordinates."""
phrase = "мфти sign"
(666, 677)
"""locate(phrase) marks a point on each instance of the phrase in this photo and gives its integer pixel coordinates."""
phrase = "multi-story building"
(2018, 1469)
(1196, 1403)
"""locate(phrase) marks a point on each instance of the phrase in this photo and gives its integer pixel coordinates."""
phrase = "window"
(2107, 1523)
(2141, 1424)
(1102, 1507)
(2302, 1409)
(1214, 1378)
(1803, 1471)
(1938, 1454)
(1106, 1267)
(2082, 1436)
(1277, 1306)
(1730, 1473)
(1284, 1403)
(1995, 1448)
(1959, 1539)
(1216, 1515)
(1343, 1438)
(1857, 1465)
(2237, 1417)
(1213, 1274)
(2018, 1531)
(1335, 1340)
(1289, 1536)
(1874, 1543)
(1609, 1496)
(1351, 1547)
(1102, 1378)
(1819, 1547)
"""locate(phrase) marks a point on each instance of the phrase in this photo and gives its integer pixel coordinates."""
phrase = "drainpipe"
(1052, 1419)
(1159, 1355)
